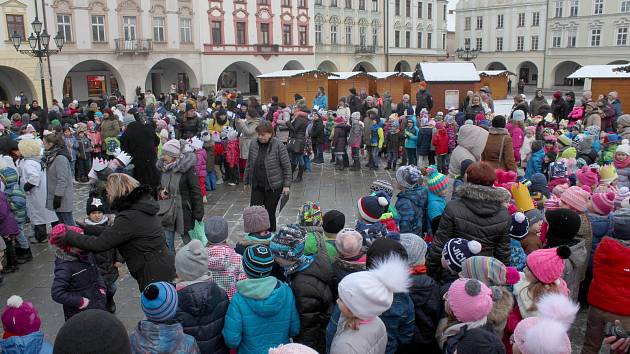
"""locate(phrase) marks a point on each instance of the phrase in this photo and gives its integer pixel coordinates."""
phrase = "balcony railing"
(267, 48)
(135, 46)
(365, 49)
(257, 49)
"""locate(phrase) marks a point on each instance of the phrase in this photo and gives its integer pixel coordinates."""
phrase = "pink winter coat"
(517, 141)
(201, 162)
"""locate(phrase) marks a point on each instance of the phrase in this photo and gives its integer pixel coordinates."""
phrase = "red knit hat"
(603, 203)
(547, 264)
(576, 198)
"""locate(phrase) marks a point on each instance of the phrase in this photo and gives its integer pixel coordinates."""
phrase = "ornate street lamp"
(467, 53)
(39, 42)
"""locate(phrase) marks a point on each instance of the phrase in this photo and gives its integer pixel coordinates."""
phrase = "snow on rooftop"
(344, 75)
(449, 71)
(289, 73)
(599, 71)
(491, 72)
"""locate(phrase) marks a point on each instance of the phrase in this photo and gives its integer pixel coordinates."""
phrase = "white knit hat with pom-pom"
(370, 293)
(624, 147)
(547, 332)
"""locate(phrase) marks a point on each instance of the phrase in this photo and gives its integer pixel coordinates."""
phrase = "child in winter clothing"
(370, 209)
(224, 263)
(350, 257)
(557, 174)
(232, 156)
(200, 165)
(159, 333)
(21, 325)
(16, 199)
(528, 140)
(70, 140)
(363, 296)
(546, 332)
(194, 287)
(411, 202)
(377, 138)
(577, 199)
(339, 141)
(107, 261)
(609, 293)
(454, 253)
(211, 176)
(261, 300)
(425, 136)
(355, 139)
(9, 231)
(310, 220)
(425, 295)
(440, 142)
(518, 231)
(95, 139)
(256, 226)
(600, 217)
(536, 159)
(587, 177)
(333, 222)
(437, 184)
(518, 139)
(411, 141)
(392, 141)
(622, 164)
(78, 284)
(83, 147)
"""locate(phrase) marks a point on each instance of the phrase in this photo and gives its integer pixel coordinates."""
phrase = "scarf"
(50, 155)
(418, 269)
(622, 164)
(301, 264)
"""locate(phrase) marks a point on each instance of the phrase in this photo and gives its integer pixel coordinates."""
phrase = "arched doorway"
(365, 67)
(528, 71)
(12, 82)
(92, 79)
(170, 71)
(495, 65)
(327, 66)
(563, 70)
(293, 65)
(402, 66)
(240, 76)
(619, 62)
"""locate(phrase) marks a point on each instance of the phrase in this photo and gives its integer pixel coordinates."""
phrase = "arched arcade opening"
(239, 76)
(170, 71)
(92, 79)
(12, 82)
(563, 70)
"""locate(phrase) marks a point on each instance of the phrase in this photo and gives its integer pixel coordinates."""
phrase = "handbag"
(168, 206)
(291, 145)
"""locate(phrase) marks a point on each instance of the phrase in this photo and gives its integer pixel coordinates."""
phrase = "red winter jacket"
(610, 289)
(440, 141)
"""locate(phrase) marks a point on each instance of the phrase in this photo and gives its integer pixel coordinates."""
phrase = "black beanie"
(333, 221)
(480, 340)
(92, 332)
(94, 204)
(564, 225)
(383, 248)
(498, 121)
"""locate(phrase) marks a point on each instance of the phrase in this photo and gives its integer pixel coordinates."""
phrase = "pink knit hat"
(603, 203)
(587, 177)
(547, 264)
(20, 317)
(292, 348)
(469, 299)
(576, 198)
(552, 203)
(59, 231)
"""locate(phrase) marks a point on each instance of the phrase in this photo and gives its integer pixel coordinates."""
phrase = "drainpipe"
(544, 68)
(386, 37)
(52, 95)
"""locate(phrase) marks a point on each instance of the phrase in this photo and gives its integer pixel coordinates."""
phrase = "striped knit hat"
(576, 198)
(257, 261)
(436, 181)
(159, 301)
(489, 271)
(371, 208)
(288, 243)
(603, 203)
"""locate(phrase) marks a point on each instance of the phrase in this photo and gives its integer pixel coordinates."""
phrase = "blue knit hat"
(257, 261)
(288, 243)
(159, 301)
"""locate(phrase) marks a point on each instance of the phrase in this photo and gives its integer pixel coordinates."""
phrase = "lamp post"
(466, 53)
(39, 42)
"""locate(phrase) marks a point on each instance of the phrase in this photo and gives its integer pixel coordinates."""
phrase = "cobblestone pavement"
(332, 189)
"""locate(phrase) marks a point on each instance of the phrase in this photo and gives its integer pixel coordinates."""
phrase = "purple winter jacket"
(8, 225)
(200, 166)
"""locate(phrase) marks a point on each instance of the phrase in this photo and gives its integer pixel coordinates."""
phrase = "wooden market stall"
(286, 83)
(497, 81)
(396, 83)
(447, 82)
(601, 79)
(339, 86)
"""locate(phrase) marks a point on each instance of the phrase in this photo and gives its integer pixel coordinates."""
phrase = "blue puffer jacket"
(534, 164)
(601, 226)
(411, 137)
(154, 338)
(425, 136)
(29, 344)
(435, 206)
(412, 208)
(262, 315)
(371, 232)
(201, 311)
(399, 321)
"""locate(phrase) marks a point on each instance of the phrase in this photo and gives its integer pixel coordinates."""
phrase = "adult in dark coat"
(189, 124)
(404, 108)
(317, 138)
(559, 107)
(140, 141)
(297, 139)
(354, 103)
(479, 214)
(423, 98)
(136, 233)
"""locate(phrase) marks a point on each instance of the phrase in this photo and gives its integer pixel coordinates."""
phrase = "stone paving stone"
(331, 188)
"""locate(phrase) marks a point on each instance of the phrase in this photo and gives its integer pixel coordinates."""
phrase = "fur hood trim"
(478, 192)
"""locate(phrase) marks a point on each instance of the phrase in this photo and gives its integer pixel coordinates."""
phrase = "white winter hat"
(624, 147)
(370, 293)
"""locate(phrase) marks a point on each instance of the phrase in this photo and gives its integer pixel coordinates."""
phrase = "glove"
(57, 202)
(28, 186)
(84, 303)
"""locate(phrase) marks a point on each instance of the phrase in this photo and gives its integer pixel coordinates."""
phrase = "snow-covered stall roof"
(293, 73)
(386, 74)
(599, 72)
(344, 75)
(494, 72)
(449, 72)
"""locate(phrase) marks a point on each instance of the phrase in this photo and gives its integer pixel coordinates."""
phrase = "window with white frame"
(499, 44)
(407, 39)
(429, 40)
(302, 4)
(15, 23)
(265, 35)
(286, 3)
(286, 34)
(64, 26)
(520, 43)
(479, 44)
(499, 21)
(98, 28)
(375, 5)
(348, 35)
(536, 19)
(534, 45)
(521, 20)
(419, 44)
(479, 22)
(318, 33)
(158, 29)
(348, 4)
(599, 7)
(241, 32)
(333, 34)
(558, 7)
(397, 7)
(362, 5)
(374, 36)
(575, 6)
(429, 11)
(302, 35)
(217, 32)
(185, 30)
(571, 38)
(408, 8)
(466, 42)
(556, 39)
(397, 39)
(625, 6)
(363, 36)
(444, 12)
(420, 11)
(467, 23)
(596, 36)
(129, 28)
(443, 40)
(333, 3)
(622, 36)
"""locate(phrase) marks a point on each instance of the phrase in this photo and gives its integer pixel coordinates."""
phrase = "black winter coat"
(478, 215)
(75, 279)
(140, 141)
(559, 109)
(312, 288)
(317, 132)
(187, 127)
(423, 100)
(403, 109)
(340, 137)
(137, 234)
(354, 103)
(105, 261)
(472, 111)
(201, 311)
(427, 302)
(297, 130)
(425, 136)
